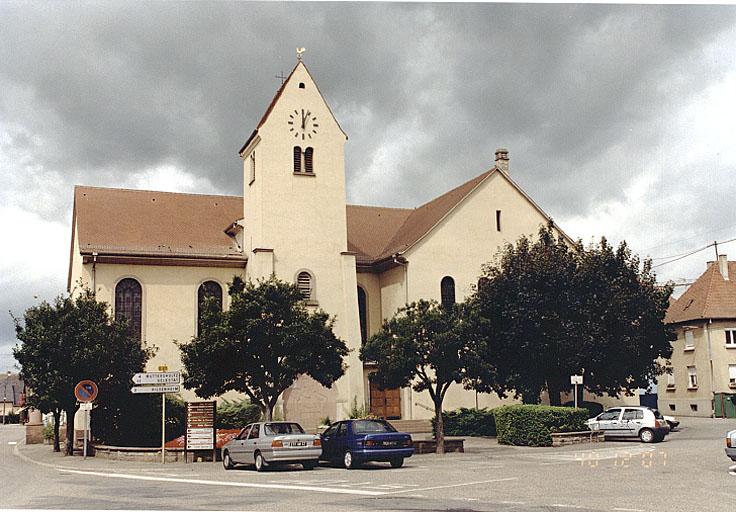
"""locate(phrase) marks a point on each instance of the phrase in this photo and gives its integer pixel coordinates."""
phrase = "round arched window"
(129, 305)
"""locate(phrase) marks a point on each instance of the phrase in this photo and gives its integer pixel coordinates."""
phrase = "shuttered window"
(447, 291)
(308, 153)
(129, 305)
(304, 283)
(297, 159)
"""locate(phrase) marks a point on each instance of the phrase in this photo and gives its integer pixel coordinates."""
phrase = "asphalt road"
(689, 471)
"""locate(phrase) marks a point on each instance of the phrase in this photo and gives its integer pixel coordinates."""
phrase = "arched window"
(308, 153)
(363, 313)
(297, 159)
(305, 284)
(447, 291)
(128, 305)
(206, 290)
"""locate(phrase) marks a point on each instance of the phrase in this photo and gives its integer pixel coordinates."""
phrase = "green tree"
(548, 309)
(261, 345)
(426, 346)
(68, 341)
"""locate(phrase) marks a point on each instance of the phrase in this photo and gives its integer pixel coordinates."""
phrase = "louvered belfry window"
(363, 313)
(304, 283)
(129, 305)
(297, 159)
(206, 290)
(308, 154)
(447, 291)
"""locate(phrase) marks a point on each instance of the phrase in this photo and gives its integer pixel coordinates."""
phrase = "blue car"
(353, 442)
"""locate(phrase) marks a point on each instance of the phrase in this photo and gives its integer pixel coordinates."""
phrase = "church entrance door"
(385, 403)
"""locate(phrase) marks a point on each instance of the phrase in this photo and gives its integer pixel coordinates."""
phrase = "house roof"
(11, 388)
(710, 296)
(142, 222)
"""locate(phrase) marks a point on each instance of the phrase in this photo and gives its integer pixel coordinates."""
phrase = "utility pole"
(5, 395)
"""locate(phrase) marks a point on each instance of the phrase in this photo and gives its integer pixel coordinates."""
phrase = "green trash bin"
(725, 405)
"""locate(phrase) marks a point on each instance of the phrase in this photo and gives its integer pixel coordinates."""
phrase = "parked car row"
(348, 442)
(647, 424)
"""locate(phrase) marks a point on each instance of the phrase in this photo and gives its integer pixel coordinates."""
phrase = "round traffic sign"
(85, 391)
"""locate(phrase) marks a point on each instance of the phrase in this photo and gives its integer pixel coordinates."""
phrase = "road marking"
(455, 485)
(628, 509)
(12, 442)
(562, 505)
(333, 490)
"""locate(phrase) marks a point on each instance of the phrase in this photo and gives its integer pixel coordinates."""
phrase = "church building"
(154, 256)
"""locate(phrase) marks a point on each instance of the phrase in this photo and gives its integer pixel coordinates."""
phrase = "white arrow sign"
(157, 378)
(171, 388)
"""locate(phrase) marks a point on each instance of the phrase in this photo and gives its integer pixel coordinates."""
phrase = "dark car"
(352, 442)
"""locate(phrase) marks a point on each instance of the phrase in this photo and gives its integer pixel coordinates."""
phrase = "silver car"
(647, 424)
(272, 442)
(731, 445)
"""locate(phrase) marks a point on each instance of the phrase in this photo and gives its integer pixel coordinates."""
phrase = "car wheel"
(310, 464)
(348, 461)
(646, 435)
(260, 462)
(397, 463)
(227, 462)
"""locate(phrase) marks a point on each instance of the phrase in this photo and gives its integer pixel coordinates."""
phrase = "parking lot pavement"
(689, 471)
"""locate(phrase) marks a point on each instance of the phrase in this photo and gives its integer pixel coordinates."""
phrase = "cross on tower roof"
(282, 77)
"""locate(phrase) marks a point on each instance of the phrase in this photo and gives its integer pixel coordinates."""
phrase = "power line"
(685, 255)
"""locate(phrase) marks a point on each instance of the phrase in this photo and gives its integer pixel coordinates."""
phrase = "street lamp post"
(5, 394)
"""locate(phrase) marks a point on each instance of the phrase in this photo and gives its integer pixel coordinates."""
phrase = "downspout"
(710, 364)
(405, 264)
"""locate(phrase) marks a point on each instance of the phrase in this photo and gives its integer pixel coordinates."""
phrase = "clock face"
(302, 124)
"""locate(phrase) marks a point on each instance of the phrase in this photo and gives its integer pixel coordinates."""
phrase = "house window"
(673, 407)
(308, 154)
(447, 291)
(692, 378)
(252, 167)
(689, 340)
(305, 283)
(694, 407)
(363, 313)
(206, 290)
(732, 375)
(498, 220)
(128, 305)
(297, 159)
(731, 338)
(671, 379)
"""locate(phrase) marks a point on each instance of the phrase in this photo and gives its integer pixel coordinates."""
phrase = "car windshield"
(371, 426)
(273, 429)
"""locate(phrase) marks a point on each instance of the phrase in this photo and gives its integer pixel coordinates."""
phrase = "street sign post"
(163, 382)
(85, 391)
(200, 433)
(575, 380)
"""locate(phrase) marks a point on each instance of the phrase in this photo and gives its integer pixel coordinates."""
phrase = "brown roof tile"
(710, 296)
(119, 221)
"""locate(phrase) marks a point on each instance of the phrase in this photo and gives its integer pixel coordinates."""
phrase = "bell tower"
(295, 221)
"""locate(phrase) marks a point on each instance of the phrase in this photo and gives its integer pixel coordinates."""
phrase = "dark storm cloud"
(582, 95)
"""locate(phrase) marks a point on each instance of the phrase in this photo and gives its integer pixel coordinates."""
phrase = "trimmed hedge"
(236, 414)
(533, 425)
(468, 422)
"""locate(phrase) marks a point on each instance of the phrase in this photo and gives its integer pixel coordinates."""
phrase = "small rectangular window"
(498, 220)
(732, 374)
(694, 407)
(252, 167)
(673, 407)
(731, 337)
(689, 340)
(692, 377)
(671, 379)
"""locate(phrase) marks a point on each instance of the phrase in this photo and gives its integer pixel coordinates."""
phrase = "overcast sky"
(619, 119)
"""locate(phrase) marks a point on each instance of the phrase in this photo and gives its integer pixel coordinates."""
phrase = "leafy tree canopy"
(71, 340)
(261, 344)
(426, 346)
(548, 309)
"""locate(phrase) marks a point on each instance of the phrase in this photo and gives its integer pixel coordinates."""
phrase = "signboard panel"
(576, 379)
(85, 391)
(200, 431)
(157, 378)
(171, 388)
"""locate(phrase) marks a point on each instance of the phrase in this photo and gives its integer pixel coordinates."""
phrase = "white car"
(731, 445)
(629, 421)
(671, 421)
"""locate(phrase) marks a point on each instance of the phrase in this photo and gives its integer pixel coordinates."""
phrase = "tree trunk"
(57, 419)
(439, 432)
(554, 389)
(69, 448)
(268, 412)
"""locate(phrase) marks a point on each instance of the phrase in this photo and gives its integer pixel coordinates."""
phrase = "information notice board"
(200, 433)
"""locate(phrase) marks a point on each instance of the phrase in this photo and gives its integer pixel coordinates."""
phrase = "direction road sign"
(169, 388)
(157, 378)
(85, 391)
(576, 379)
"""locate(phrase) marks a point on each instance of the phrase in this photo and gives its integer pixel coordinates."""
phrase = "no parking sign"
(85, 391)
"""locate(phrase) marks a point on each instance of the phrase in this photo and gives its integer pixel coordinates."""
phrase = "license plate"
(297, 444)
(390, 443)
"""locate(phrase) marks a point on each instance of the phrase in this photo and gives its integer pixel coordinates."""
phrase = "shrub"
(48, 432)
(136, 421)
(533, 425)
(360, 413)
(468, 422)
(236, 413)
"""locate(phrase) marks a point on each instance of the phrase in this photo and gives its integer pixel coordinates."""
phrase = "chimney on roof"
(502, 160)
(723, 266)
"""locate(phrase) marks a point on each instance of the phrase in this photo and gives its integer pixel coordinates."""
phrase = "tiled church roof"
(141, 222)
(710, 296)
